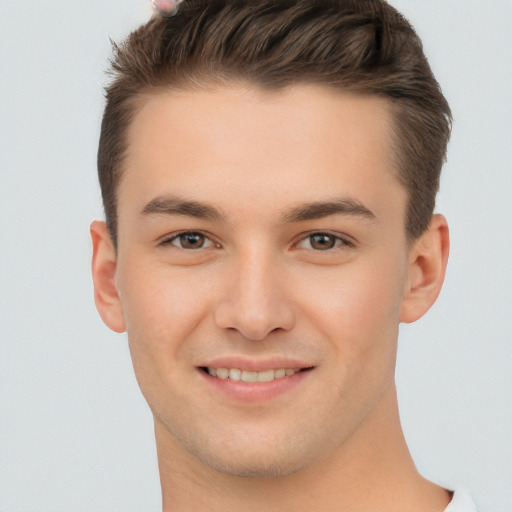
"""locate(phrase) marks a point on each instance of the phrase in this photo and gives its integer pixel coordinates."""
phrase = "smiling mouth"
(249, 376)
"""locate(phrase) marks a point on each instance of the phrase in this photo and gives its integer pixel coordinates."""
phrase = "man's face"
(258, 232)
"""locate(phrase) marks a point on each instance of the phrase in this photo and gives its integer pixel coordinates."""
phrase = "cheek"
(373, 301)
(364, 295)
(358, 312)
(162, 306)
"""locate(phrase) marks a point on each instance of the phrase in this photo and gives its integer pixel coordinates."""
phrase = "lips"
(237, 374)
(253, 364)
(251, 380)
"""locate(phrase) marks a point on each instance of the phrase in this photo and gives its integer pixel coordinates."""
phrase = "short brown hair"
(364, 46)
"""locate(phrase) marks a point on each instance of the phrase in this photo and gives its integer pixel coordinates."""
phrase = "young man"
(269, 172)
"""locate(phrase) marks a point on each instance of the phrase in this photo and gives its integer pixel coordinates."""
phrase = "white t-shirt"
(461, 502)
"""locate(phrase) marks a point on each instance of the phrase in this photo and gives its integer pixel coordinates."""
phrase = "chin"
(261, 446)
(257, 457)
(253, 467)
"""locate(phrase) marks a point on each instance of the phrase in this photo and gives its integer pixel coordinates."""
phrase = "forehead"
(250, 147)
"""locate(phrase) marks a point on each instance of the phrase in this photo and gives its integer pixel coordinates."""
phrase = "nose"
(255, 301)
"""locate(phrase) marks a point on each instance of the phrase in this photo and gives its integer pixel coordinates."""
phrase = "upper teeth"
(247, 376)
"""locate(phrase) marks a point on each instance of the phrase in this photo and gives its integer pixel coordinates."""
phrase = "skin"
(262, 288)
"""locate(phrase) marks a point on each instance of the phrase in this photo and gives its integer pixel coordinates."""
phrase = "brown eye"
(322, 241)
(191, 240)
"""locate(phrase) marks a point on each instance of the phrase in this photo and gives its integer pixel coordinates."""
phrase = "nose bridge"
(256, 301)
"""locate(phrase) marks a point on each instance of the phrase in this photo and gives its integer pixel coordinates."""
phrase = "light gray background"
(75, 433)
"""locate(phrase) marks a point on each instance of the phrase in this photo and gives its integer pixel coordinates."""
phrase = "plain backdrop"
(75, 432)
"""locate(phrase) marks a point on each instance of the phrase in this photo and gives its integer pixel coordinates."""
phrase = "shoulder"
(461, 502)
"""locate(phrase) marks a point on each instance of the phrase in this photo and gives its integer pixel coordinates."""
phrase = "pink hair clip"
(166, 8)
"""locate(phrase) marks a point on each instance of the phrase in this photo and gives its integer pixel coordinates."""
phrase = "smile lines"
(248, 376)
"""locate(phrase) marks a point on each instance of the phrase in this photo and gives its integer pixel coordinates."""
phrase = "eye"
(323, 242)
(189, 240)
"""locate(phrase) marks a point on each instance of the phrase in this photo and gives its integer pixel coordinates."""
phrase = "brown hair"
(364, 46)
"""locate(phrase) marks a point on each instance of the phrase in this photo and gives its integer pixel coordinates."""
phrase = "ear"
(106, 294)
(427, 267)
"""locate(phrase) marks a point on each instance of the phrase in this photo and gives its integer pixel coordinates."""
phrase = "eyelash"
(177, 236)
(339, 242)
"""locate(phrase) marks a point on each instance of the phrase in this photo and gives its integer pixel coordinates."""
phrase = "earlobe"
(427, 268)
(106, 293)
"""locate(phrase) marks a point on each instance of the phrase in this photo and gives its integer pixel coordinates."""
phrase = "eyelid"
(168, 239)
(346, 241)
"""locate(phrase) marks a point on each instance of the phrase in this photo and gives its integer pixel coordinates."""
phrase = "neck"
(373, 470)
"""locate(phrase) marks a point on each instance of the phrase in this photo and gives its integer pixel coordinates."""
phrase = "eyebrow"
(169, 205)
(320, 209)
(176, 206)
